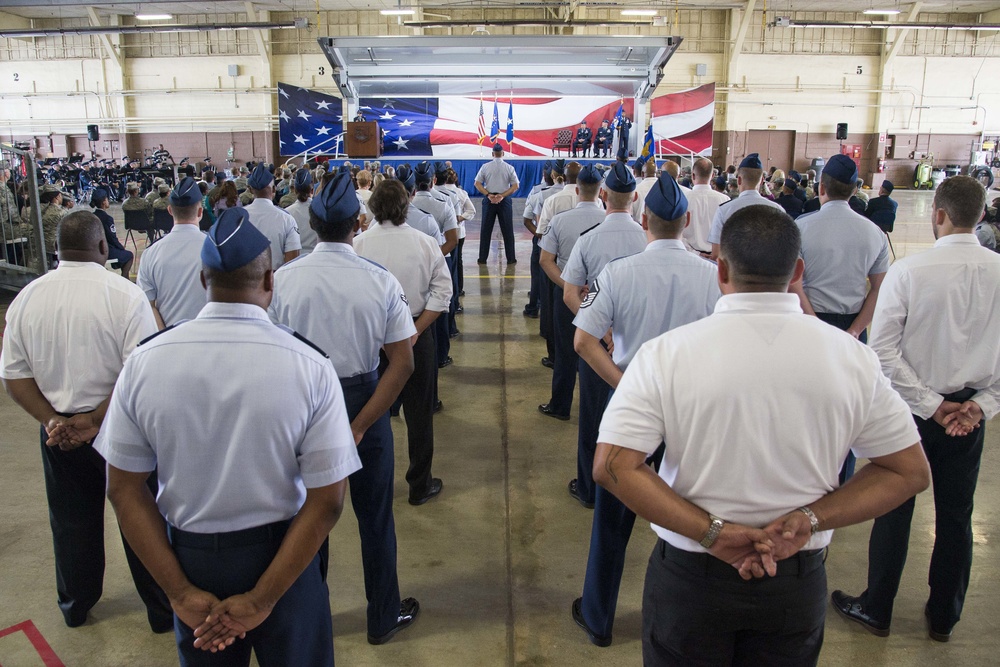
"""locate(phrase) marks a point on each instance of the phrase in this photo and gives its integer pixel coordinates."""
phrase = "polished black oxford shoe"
(851, 609)
(594, 638)
(432, 490)
(408, 611)
(548, 412)
(574, 490)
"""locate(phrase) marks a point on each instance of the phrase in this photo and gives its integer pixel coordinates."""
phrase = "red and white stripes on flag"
(683, 121)
(482, 123)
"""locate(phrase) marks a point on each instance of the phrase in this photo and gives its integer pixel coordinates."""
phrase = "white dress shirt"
(758, 406)
(936, 323)
(251, 462)
(347, 305)
(170, 274)
(468, 209)
(416, 261)
(278, 226)
(71, 331)
(703, 204)
(307, 237)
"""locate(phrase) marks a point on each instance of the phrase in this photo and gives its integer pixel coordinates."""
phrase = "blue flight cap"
(405, 176)
(791, 184)
(497, 147)
(186, 193)
(888, 186)
(794, 175)
(751, 161)
(619, 178)
(260, 178)
(337, 201)
(842, 169)
(589, 174)
(666, 199)
(559, 166)
(547, 167)
(440, 169)
(424, 173)
(232, 242)
(721, 182)
(303, 179)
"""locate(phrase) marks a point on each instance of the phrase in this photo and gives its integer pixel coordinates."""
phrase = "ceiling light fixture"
(402, 11)
(638, 12)
(881, 12)
(153, 17)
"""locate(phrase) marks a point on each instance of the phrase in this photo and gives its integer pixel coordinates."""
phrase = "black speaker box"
(93, 134)
(841, 131)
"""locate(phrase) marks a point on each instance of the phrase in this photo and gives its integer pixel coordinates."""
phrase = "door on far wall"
(775, 147)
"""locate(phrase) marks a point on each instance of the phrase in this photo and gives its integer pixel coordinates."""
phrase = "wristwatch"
(714, 529)
(813, 521)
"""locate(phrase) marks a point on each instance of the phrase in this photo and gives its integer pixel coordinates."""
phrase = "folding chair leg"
(891, 249)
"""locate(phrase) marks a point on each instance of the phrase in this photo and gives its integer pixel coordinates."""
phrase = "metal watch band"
(713, 531)
(813, 521)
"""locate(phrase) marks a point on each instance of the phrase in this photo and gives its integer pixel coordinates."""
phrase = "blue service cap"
(232, 242)
(558, 166)
(186, 193)
(589, 174)
(666, 199)
(344, 169)
(423, 172)
(842, 169)
(303, 179)
(619, 178)
(721, 182)
(547, 167)
(497, 147)
(100, 194)
(337, 201)
(751, 161)
(260, 178)
(439, 169)
(888, 186)
(405, 176)
(791, 184)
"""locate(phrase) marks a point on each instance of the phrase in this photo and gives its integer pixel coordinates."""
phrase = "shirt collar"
(701, 186)
(659, 244)
(751, 193)
(187, 228)
(837, 203)
(620, 217)
(588, 204)
(776, 303)
(66, 264)
(233, 311)
(331, 246)
(957, 239)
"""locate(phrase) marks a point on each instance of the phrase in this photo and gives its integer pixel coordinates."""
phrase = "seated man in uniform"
(882, 209)
(246, 497)
(604, 138)
(581, 142)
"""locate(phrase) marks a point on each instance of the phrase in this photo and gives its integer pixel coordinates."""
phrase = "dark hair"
(389, 202)
(331, 232)
(572, 171)
(303, 193)
(245, 277)
(96, 201)
(80, 230)
(963, 199)
(203, 186)
(48, 197)
(761, 245)
(208, 177)
(836, 190)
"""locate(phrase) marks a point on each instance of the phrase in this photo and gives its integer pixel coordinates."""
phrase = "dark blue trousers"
(299, 630)
(545, 317)
(371, 496)
(843, 322)
(594, 392)
(536, 269)
(566, 359)
(453, 260)
(441, 324)
(954, 463)
(609, 538)
(491, 212)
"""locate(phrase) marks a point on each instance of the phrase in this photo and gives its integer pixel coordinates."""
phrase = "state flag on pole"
(619, 117)
(648, 145)
(482, 123)
(510, 122)
(495, 128)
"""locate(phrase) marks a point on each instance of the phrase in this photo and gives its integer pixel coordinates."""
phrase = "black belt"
(358, 380)
(801, 564)
(265, 534)
(960, 396)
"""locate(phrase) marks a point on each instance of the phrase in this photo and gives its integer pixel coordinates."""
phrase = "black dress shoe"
(547, 411)
(574, 490)
(433, 490)
(594, 638)
(461, 293)
(454, 334)
(548, 363)
(408, 611)
(448, 361)
(459, 309)
(851, 609)
(480, 261)
(393, 412)
(936, 634)
(512, 261)
(438, 406)
(533, 314)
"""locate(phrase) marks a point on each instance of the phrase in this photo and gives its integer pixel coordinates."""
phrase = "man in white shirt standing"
(170, 270)
(703, 203)
(276, 224)
(68, 335)
(748, 483)
(934, 332)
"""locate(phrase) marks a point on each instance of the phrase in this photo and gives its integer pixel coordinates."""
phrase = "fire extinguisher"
(881, 165)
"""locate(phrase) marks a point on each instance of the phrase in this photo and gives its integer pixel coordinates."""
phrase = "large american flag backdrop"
(449, 126)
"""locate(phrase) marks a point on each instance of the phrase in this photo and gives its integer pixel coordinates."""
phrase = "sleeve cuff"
(928, 405)
(636, 442)
(988, 404)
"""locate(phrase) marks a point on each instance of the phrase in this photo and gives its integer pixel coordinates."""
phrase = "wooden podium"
(363, 139)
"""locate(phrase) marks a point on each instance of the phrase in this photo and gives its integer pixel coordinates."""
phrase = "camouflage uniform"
(51, 215)
(161, 203)
(246, 197)
(288, 199)
(240, 183)
(138, 204)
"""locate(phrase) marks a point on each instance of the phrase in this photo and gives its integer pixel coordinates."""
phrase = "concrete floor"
(498, 558)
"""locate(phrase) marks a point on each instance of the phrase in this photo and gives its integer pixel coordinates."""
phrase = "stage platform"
(529, 170)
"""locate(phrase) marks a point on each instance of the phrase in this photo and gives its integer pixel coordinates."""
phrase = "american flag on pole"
(482, 123)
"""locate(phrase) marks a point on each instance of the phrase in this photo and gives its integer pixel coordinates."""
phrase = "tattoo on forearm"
(610, 461)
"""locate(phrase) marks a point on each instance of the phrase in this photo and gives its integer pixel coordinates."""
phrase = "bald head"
(80, 238)
(702, 171)
(672, 168)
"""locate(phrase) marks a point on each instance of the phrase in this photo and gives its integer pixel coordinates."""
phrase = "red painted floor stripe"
(45, 652)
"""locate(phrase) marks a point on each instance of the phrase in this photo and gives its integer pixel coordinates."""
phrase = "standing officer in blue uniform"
(353, 307)
(556, 246)
(748, 179)
(497, 181)
(170, 270)
(251, 480)
(531, 224)
(637, 298)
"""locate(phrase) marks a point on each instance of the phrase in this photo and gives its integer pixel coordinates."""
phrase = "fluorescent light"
(881, 12)
(638, 12)
(397, 12)
(153, 17)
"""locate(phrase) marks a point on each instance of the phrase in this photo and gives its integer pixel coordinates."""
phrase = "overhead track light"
(153, 17)
(402, 11)
(638, 12)
(881, 12)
